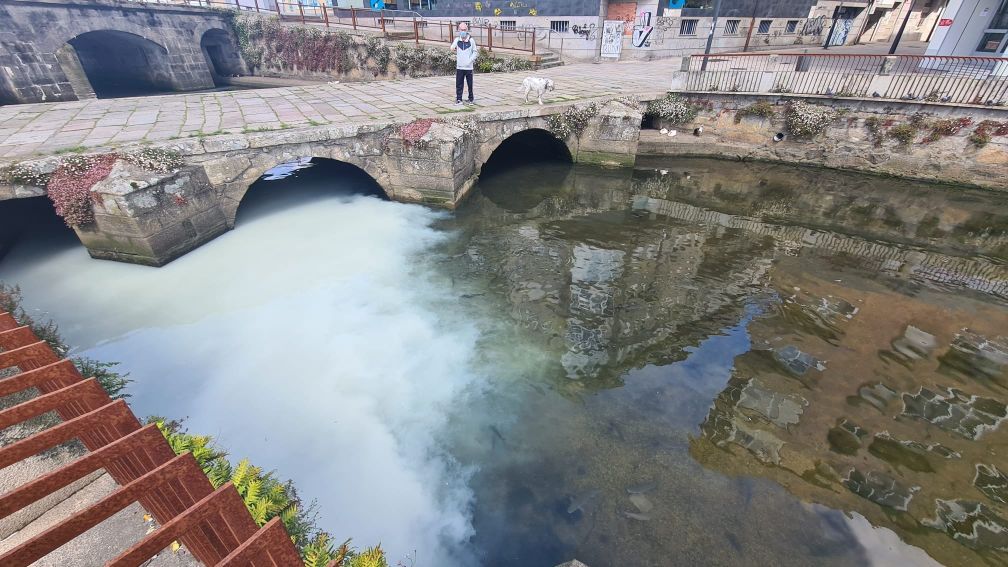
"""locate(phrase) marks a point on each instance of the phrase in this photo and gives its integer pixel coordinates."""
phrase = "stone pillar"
(141, 218)
(612, 136)
(439, 169)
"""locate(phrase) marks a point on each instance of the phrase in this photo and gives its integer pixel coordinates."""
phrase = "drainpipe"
(751, 23)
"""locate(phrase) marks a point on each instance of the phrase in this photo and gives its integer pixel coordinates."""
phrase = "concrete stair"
(548, 60)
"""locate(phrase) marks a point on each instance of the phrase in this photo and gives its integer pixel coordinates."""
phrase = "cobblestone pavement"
(35, 130)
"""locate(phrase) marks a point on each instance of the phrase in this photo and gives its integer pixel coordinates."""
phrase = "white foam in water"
(308, 340)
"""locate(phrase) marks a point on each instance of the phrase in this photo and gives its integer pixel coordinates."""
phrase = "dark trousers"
(463, 75)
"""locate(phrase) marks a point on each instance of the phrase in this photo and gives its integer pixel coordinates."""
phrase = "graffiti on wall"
(642, 30)
(664, 26)
(586, 31)
(625, 12)
(814, 26)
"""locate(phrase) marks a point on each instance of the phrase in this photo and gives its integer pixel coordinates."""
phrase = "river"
(692, 362)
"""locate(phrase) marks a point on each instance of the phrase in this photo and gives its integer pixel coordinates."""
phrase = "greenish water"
(694, 362)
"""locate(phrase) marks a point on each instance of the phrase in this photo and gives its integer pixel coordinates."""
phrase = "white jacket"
(465, 53)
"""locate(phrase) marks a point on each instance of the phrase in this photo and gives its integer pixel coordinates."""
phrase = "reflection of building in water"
(901, 422)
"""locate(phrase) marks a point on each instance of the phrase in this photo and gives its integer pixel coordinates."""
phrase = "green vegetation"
(986, 130)
(265, 496)
(571, 122)
(72, 150)
(113, 382)
(904, 134)
(266, 44)
(674, 108)
(762, 109)
(806, 120)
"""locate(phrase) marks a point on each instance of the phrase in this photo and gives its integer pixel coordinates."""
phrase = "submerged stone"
(780, 409)
(956, 412)
(898, 454)
(797, 361)
(970, 523)
(915, 344)
(880, 488)
(991, 482)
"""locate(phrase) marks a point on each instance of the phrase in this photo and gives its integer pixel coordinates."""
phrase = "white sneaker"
(458, 103)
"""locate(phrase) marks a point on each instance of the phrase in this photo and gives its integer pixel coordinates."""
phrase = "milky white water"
(585, 363)
(315, 342)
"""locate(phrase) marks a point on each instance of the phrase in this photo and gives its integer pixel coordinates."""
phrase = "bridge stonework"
(148, 219)
(38, 62)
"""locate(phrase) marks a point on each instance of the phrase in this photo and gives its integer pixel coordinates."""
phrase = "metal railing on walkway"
(962, 80)
(402, 25)
(214, 525)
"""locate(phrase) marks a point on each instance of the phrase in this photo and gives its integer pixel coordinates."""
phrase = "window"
(792, 26)
(687, 27)
(559, 26)
(764, 26)
(507, 25)
(731, 27)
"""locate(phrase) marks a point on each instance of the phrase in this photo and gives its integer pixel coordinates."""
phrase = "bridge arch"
(114, 63)
(221, 54)
(357, 175)
(525, 145)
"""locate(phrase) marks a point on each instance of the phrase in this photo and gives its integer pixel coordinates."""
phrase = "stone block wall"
(848, 142)
(145, 220)
(33, 33)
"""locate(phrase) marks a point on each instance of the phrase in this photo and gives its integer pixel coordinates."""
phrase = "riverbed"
(691, 362)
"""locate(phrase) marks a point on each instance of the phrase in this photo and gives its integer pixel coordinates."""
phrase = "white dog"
(538, 86)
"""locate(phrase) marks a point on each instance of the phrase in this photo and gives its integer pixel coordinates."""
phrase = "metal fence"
(404, 25)
(963, 80)
(213, 524)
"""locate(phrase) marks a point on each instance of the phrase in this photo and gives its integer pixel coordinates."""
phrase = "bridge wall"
(37, 66)
(151, 219)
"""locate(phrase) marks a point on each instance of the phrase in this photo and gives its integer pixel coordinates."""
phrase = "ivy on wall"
(69, 186)
(267, 45)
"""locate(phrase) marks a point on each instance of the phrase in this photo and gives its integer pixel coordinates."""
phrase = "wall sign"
(612, 38)
(944, 22)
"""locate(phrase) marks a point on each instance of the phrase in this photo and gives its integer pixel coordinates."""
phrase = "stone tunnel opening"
(118, 64)
(221, 55)
(528, 147)
(30, 229)
(302, 182)
(525, 169)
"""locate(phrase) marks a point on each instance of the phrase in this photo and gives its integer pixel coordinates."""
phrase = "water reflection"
(696, 362)
(848, 330)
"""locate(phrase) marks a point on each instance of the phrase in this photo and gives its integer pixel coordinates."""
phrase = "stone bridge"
(57, 50)
(229, 139)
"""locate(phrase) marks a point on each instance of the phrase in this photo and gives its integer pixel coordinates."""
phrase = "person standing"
(465, 56)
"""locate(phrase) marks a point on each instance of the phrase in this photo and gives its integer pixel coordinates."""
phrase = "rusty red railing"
(962, 80)
(395, 24)
(214, 525)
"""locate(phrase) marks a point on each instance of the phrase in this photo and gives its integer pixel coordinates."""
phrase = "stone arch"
(531, 136)
(221, 54)
(233, 192)
(117, 63)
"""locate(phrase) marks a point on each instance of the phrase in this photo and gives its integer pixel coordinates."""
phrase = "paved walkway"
(36, 130)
